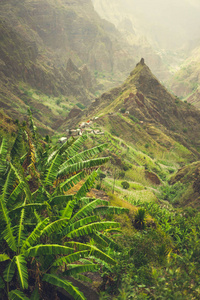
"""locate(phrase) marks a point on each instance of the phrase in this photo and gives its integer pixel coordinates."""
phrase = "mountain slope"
(190, 177)
(37, 40)
(186, 82)
(142, 109)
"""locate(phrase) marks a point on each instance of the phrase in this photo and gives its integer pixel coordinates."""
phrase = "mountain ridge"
(143, 100)
(38, 39)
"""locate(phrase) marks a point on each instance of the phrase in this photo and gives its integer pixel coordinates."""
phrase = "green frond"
(32, 153)
(2, 283)
(87, 209)
(52, 156)
(76, 167)
(17, 295)
(21, 227)
(21, 179)
(114, 230)
(37, 216)
(3, 155)
(9, 271)
(51, 173)
(90, 228)
(67, 212)
(3, 149)
(73, 180)
(103, 240)
(32, 126)
(82, 278)
(22, 271)
(98, 239)
(55, 226)
(71, 258)
(66, 285)
(60, 150)
(60, 199)
(8, 232)
(48, 250)
(4, 257)
(35, 295)
(17, 148)
(8, 184)
(27, 206)
(15, 193)
(94, 251)
(110, 210)
(88, 184)
(75, 147)
(35, 235)
(80, 223)
(85, 155)
(81, 269)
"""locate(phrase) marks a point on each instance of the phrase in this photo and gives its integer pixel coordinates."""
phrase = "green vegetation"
(154, 257)
(125, 185)
(43, 226)
(52, 229)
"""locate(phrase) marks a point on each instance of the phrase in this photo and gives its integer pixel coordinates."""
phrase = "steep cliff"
(40, 39)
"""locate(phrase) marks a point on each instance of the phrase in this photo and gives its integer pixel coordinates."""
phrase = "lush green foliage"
(43, 228)
(125, 185)
(160, 262)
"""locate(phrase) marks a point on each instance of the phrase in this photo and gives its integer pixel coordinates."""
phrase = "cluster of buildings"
(83, 127)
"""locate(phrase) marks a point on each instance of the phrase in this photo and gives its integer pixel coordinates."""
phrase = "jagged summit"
(71, 67)
(141, 62)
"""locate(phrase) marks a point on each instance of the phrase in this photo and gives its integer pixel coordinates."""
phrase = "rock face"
(67, 29)
(54, 47)
(152, 177)
(190, 177)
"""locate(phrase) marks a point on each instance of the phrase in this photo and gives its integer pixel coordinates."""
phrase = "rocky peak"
(86, 77)
(71, 67)
(142, 61)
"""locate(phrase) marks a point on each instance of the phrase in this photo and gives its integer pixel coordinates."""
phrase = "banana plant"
(38, 250)
(23, 250)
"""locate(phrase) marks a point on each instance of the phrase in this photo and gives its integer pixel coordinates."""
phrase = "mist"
(168, 24)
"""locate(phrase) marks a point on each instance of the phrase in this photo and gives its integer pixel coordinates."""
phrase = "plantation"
(52, 230)
(47, 234)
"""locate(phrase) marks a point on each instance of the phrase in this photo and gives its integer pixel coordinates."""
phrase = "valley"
(99, 150)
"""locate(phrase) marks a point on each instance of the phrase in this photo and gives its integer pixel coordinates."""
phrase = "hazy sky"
(159, 18)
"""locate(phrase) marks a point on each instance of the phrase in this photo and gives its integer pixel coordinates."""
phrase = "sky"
(159, 18)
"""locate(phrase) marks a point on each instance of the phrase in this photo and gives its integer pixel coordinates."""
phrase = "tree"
(125, 184)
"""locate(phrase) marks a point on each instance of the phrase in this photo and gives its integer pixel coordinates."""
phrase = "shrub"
(122, 110)
(125, 185)
(140, 216)
(80, 105)
(133, 118)
(121, 174)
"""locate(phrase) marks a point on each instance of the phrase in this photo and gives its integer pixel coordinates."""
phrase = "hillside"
(186, 82)
(143, 105)
(150, 133)
(189, 176)
(51, 49)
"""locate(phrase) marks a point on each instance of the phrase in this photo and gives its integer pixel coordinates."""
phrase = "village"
(84, 127)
